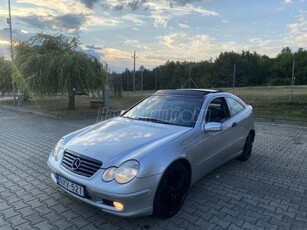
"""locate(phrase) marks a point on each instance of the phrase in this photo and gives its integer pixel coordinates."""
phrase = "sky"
(178, 30)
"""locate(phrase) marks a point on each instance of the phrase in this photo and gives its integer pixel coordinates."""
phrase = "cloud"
(5, 40)
(89, 3)
(288, 1)
(225, 21)
(93, 47)
(70, 23)
(95, 54)
(116, 58)
(183, 2)
(297, 36)
(162, 13)
(135, 4)
(184, 46)
(35, 21)
(268, 47)
(184, 26)
(176, 40)
(135, 44)
(131, 42)
(119, 5)
(100, 21)
(4, 43)
(136, 19)
(92, 50)
(54, 6)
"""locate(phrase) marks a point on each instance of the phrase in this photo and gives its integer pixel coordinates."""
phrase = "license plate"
(70, 186)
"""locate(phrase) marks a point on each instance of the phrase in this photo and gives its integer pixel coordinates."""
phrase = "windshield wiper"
(155, 120)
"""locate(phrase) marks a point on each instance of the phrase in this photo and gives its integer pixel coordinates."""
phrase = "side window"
(234, 106)
(217, 111)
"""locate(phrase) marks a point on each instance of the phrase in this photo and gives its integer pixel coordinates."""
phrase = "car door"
(239, 133)
(215, 147)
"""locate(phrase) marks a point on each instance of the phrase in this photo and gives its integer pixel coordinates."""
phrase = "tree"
(5, 75)
(300, 66)
(223, 68)
(252, 69)
(48, 64)
(282, 67)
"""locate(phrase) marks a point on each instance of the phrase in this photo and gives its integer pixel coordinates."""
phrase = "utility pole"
(9, 21)
(142, 71)
(189, 81)
(134, 57)
(234, 78)
(292, 81)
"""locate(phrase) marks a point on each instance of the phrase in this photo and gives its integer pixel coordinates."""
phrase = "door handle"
(234, 124)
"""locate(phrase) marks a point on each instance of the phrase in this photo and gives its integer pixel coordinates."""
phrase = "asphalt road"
(267, 192)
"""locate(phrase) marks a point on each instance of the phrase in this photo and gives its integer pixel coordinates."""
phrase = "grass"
(274, 102)
(268, 102)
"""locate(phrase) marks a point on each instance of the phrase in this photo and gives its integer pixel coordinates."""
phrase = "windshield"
(172, 110)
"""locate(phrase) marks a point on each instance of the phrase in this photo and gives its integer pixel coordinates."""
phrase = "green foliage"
(252, 69)
(5, 75)
(280, 81)
(47, 65)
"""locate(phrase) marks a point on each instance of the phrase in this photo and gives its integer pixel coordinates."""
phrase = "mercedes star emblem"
(76, 164)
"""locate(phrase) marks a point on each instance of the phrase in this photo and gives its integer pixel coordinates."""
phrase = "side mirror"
(213, 127)
(122, 112)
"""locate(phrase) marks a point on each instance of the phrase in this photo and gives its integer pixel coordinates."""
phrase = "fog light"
(118, 206)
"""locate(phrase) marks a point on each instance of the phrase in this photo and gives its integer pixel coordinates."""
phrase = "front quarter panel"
(157, 161)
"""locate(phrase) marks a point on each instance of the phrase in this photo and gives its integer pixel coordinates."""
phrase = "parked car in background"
(144, 161)
(81, 92)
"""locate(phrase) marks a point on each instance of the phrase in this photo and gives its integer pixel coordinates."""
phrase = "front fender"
(158, 161)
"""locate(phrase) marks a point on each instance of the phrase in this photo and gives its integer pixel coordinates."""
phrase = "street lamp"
(9, 21)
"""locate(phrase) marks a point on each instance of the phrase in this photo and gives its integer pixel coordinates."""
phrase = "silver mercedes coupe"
(145, 160)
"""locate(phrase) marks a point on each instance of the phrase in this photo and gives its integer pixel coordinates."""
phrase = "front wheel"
(172, 191)
(247, 149)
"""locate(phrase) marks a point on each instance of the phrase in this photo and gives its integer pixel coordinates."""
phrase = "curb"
(35, 112)
(282, 122)
(60, 116)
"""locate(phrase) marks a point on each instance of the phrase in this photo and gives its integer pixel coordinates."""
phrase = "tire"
(247, 149)
(172, 191)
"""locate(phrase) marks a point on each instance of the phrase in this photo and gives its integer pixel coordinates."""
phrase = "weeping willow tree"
(47, 64)
(5, 75)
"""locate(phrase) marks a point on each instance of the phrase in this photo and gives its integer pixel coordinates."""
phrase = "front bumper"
(137, 196)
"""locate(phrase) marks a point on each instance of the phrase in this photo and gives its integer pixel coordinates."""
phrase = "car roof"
(200, 93)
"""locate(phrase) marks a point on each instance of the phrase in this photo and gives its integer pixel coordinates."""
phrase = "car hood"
(120, 139)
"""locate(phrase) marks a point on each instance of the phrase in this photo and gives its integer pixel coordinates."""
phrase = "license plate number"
(70, 186)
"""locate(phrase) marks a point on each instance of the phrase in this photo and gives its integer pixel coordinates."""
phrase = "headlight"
(126, 172)
(123, 174)
(108, 175)
(58, 150)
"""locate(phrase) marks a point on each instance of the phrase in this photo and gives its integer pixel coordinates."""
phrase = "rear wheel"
(247, 149)
(171, 191)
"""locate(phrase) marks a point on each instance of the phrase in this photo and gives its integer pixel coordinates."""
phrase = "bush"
(280, 81)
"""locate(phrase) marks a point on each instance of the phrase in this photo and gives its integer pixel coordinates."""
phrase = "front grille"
(88, 166)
